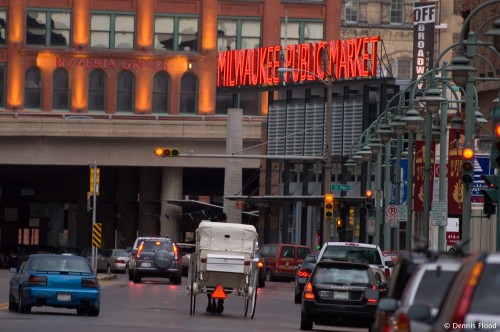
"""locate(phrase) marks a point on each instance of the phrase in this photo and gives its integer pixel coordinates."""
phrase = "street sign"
(439, 213)
(370, 226)
(343, 187)
(403, 212)
(391, 215)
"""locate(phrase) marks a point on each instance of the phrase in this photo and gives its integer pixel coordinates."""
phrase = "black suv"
(155, 257)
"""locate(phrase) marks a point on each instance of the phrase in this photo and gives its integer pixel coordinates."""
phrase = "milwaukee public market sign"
(350, 58)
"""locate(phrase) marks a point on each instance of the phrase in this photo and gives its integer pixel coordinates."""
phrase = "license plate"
(340, 295)
(63, 297)
(302, 280)
(146, 264)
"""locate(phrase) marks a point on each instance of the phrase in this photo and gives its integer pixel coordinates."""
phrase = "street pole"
(409, 199)
(379, 223)
(443, 147)
(387, 194)
(327, 181)
(427, 178)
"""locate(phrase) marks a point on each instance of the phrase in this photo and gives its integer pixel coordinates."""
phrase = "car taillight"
(37, 280)
(120, 261)
(387, 323)
(139, 251)
(176, 252)
(308, 291)
(246, 263)
(464, 303)
(90, 283)
(387, 273)
(370, 300)
(304, 273)
(260, 265)
(402, 323)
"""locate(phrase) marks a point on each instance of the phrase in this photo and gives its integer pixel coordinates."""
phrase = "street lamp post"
(327, 153)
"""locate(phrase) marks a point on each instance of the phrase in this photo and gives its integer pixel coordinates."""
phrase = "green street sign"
(343, 187)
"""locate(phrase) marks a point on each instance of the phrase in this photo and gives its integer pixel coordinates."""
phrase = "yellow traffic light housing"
(467, 165)
(328, 206)
(166, 152)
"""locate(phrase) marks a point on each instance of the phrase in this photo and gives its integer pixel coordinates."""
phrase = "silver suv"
(153, 256)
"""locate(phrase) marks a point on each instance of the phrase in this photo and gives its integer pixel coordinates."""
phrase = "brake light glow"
(308, 291)
(37, 280)
(260, 265)
(90, 283)
(387, 273)
(120, 261)
(139, 250)
(465, 301)
(176, 252)
(402, 323)
(304, 273)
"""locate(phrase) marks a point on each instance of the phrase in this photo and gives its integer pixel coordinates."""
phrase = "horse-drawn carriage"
(224, 263)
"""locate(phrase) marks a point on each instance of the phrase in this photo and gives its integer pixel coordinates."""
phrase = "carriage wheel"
(247, 302)
(253, 300)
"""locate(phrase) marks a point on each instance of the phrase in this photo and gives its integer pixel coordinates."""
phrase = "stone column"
(233, 174)
(149, 200)
(171, 188)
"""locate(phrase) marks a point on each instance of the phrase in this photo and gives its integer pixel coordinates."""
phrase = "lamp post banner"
(455, 187)
(418, 193)
(424, 20)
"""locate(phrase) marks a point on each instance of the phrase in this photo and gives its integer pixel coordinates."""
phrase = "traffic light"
(166, 152)
(369, 198)
(339, 223)
(328, 206)
(492, 194)
(495, 139)
(467, 165)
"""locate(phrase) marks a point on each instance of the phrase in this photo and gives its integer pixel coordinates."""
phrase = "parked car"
(339, 293)
(427, 286)
(472, 302)
(154, 256)
(281, 260)
(186, 249)
(54, 280)
(114, 260)
(303, 274)
(353, 251)
(87, 253)
(406, 265)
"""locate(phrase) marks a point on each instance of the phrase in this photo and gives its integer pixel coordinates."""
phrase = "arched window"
(189, 94)
(60, 89)
(97, 90)
(33, 88)
(125, 92)
(160, 93)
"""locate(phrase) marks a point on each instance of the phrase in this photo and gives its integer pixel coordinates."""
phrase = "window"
(3, 26)
(248, 101)
(235, 34)
(298, 32)
(402, 69)
(125, 92)
(47, 28)
(60, 89)
(32, 88)
(189, 93)
(351, 11)
(97, 90)
(397, 11)
(115, 31)
(2, 85)
(176, 33)
(160, 93)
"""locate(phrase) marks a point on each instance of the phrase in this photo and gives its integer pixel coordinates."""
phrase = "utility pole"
(327, 181)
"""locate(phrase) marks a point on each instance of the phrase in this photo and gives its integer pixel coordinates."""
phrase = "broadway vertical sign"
(424, 20)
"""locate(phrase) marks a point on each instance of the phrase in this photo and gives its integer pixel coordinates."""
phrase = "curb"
(106, 276)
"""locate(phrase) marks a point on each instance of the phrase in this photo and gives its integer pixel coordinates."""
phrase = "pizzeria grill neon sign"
(349, 58)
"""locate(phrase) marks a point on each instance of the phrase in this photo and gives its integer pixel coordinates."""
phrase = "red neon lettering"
(262, 65)
(357, 60)
(276, 64)
(269, 65)
(365, 57)
(290, 51)
(230, 66)
(318, 53)
(254, 66)
(350, 58)
(341, 64)
(334, 55)
(239, 66)
(374, 40)
(221, 68)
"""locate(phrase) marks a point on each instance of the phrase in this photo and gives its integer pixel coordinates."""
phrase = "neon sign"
(350, 58)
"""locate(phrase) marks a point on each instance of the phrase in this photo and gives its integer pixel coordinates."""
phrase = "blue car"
(53, 280)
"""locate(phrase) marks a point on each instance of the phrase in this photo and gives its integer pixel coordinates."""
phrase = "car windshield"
(346, 276)
(349, 253)
(433, 287)
(486, 299)
(55, 264)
